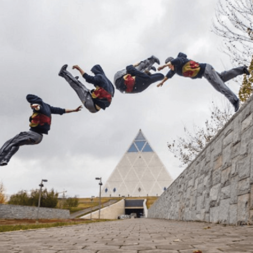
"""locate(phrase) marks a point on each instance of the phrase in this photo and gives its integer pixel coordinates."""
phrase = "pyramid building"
(140, 172)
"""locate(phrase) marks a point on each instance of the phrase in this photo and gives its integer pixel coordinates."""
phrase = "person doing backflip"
(40, 123)
(136, 78)
(94, 99)
(189, 68)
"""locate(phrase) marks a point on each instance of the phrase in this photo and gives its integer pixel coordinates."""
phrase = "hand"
(79, 108)
(76, 67)
(35, 106)
(160, 84)
(160, 68)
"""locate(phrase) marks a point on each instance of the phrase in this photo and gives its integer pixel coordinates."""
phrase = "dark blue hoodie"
(180, 67)
(100, 80)
(41, 119)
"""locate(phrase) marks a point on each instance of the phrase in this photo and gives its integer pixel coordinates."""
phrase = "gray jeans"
(82, 92)
(218, 80)
(11, 146)
(145, 65)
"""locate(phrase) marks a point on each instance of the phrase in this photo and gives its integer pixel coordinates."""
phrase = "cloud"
(38, 37)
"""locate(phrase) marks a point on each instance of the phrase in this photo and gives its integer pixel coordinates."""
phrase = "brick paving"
(131, 236)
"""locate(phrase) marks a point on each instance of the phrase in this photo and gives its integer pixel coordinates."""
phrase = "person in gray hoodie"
(94, 99)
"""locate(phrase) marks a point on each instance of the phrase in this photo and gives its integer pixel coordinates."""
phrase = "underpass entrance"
(134, 206)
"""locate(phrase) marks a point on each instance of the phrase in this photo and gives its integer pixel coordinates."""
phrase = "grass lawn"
(14, 225)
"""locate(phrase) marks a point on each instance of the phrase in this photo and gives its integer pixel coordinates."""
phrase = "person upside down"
(94, 99)
(137, 77)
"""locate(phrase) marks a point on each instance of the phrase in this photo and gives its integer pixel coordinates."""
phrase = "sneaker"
(245, 70)
(3, 163)
(63, 68)
(237, 105)
(155, 59)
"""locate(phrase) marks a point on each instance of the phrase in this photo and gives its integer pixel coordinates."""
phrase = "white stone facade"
(139, 173)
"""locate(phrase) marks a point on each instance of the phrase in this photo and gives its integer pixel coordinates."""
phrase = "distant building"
(140, 172)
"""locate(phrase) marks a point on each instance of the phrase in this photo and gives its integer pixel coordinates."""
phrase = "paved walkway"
(131, 236)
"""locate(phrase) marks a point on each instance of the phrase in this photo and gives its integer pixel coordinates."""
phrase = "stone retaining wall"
(218, 185)
(30, 212)
(109, 212)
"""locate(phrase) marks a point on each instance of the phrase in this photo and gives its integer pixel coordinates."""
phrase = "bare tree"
(246, 88)
(234, 23)
(3, 198)
(188, 147)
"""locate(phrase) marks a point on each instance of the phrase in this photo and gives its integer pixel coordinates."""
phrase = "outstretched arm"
(162, 82)
(164, 66)
(79, 108)
(79, 69)
(136, 64)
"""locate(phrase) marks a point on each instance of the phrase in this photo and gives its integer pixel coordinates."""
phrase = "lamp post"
(100, 184)
(91, 200)
(63, 199)
(40, 185)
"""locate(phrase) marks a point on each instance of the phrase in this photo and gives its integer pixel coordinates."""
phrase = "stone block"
(251, 217)
(217, 147)
(200, 203)
(234, 170)
(228, 138)
(200, 187)
(218, 162)
(207, 204)
(214, 193)
(225, 177)
(226, 157)
(224, 211)
(243, 167)
(246, 122)
(236, 129)
(246, 111)
(208, 155)
(207, 181)
(214, 214)
(216, 176)
(246, 136)
(244, 186)
(243, 209)
(191, 182)
(225, 192)
(207, 217)
(235, 149)
(233, 214)
(234, 190)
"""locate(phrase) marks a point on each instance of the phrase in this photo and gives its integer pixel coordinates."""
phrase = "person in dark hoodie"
(40, 123)
(189, 68)
(94, 99)
(136, 78)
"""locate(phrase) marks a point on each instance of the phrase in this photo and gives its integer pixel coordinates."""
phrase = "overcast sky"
(38, 37)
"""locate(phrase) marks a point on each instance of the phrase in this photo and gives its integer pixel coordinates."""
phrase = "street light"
(40, 185)
(91, 200)
(63, 198)
(100, 184)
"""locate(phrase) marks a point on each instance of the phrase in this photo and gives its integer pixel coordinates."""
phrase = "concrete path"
(131, 236)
